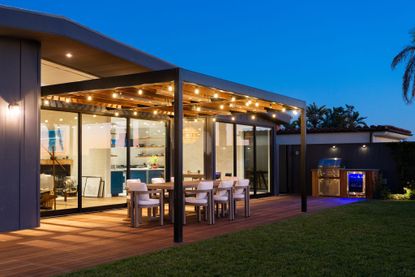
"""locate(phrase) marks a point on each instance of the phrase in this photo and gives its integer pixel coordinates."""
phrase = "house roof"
(93, 53)
(372, 128)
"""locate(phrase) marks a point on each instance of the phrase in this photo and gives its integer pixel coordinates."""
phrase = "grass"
(373, 238)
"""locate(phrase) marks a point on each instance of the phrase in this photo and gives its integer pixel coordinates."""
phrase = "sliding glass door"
(247, 156)
(263, 152)
(58, 160)
(224, 149)
(104, 161)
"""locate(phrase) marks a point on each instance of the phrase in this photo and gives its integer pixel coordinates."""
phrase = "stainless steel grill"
(329, 176)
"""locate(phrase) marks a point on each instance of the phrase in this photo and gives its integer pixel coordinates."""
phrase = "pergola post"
(303, 149)
(178, 158)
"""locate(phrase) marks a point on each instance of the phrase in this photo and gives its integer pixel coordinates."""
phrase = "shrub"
(381, 191)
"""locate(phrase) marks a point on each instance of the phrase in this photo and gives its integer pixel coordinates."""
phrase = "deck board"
(69, 243)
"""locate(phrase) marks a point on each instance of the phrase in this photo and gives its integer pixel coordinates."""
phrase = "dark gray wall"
(375, 156)
(19, 134)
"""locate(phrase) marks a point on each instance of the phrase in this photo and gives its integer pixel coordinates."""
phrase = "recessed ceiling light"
(69, 55)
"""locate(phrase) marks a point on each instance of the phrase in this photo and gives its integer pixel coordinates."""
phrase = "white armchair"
(140, 198)
(203, 197)
(241, 193)
(223, 197)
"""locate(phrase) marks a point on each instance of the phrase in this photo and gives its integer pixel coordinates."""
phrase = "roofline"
(370, 129)
(170, 75)
(210, 81)
(37, 22)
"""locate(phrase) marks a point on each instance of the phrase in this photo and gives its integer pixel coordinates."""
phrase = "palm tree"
(315, 115)
(407, 55)
(353, 118)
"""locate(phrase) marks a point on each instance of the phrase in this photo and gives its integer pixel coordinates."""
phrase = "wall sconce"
(364, 146)
(333, 147)
(14, 109)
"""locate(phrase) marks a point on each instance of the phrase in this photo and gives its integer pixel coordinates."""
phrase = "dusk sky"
(329, 52)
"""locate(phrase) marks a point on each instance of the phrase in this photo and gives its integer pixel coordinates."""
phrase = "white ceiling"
(52, 74)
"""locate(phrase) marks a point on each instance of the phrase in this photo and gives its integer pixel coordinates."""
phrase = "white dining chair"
(128, 198)
(140, 198)
(203, 197)
(241, 193)
(223, 197)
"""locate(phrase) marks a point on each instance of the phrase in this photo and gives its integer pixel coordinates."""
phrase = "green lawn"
(375, 238)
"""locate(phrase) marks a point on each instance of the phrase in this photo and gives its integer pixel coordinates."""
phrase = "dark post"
(178, 158)
(79, 162)
(128, 148)
(303, 161)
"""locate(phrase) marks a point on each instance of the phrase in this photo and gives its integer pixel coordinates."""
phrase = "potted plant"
(154, 161)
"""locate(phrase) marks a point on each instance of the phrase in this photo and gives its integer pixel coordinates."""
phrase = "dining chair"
(159, 180)
(223, 197)
(203, 197)
(241, 193)
(129, 207)
(140, 197)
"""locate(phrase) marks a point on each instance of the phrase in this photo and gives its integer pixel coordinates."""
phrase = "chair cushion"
(149, 202)
(220, 197)
(238, 196)
(194, 200)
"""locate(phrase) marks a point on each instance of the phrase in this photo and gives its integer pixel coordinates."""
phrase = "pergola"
(177, 93)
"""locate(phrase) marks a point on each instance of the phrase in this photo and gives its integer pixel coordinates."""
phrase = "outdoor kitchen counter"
(371, 180)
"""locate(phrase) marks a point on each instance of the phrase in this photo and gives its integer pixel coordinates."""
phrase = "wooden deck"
(69, 243)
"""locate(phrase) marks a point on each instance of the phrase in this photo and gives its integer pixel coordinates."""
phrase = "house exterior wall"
(19, 134)
(325, 138)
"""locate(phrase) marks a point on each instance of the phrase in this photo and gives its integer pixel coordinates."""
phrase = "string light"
(214, 119)
(170, 88)
(274, 115)
(114, 95)
(135, 113)
(256, 104)
(67, 100)
(233, 118)
(215, 95)
(221, 107)
(140, 92)
(89, 98)
(197, 91)
(284, 110)
(46, 102)
(253, 117)
(117, 113)
(233, 99)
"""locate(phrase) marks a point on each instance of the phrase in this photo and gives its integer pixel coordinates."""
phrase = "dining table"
(168, 187)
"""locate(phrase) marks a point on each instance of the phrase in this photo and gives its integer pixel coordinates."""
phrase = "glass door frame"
(271, 154)
(80, 208)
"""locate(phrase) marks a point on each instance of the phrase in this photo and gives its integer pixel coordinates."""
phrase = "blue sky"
(330, 52)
